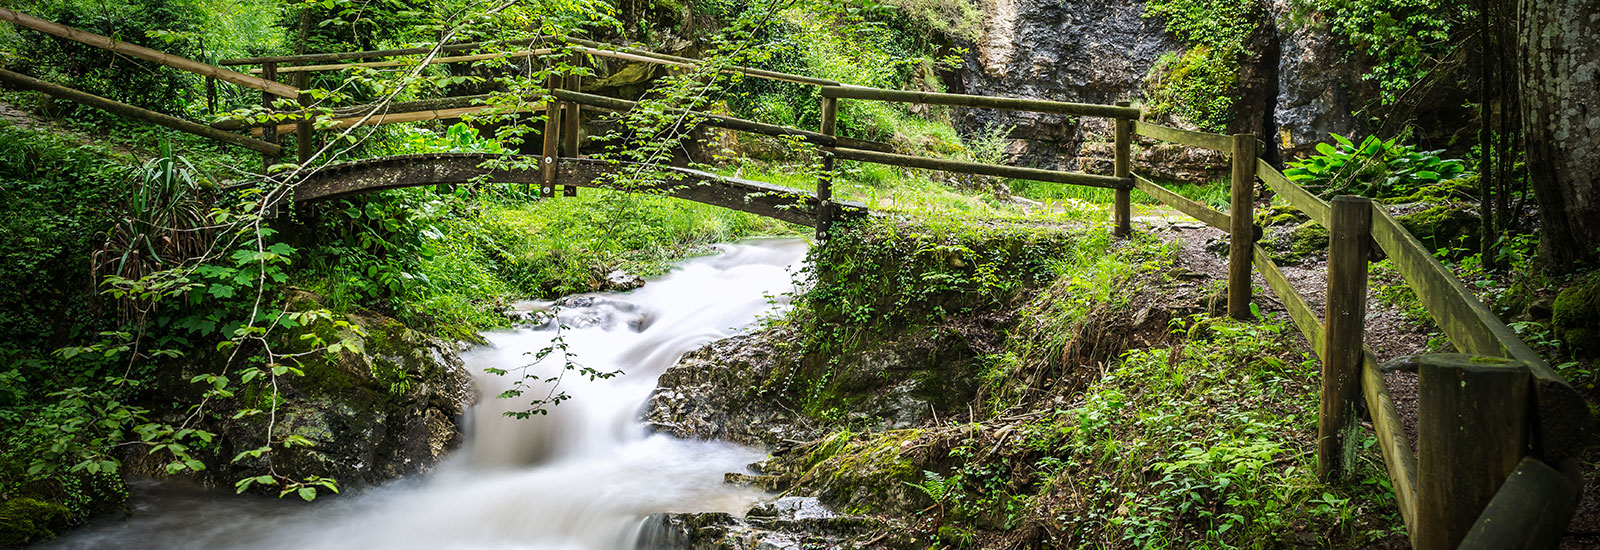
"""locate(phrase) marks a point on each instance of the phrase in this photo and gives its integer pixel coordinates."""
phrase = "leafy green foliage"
(1199, 83)
(1374, 168)
(884, 274)
(1404, 40)
(1183, 453)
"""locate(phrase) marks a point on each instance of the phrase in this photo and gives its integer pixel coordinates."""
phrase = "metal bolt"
(547, 190)
(548, 160)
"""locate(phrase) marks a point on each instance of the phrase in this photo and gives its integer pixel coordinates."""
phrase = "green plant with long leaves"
(1373, 168)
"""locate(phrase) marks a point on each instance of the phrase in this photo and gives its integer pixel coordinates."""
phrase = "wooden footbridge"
(1499, 432)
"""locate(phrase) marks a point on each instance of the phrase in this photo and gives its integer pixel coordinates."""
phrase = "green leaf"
(308, 493)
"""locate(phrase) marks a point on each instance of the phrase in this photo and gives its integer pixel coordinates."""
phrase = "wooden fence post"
(1350, 229)
(830, 113)
(269, 133)
(303, 137)
(1242, 216)
(1529, 512)
(211, 95)
(1122, 167)
(552, 136)
(1472, 430)
(570, 119)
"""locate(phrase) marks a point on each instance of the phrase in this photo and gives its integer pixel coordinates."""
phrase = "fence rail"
(1498, 429)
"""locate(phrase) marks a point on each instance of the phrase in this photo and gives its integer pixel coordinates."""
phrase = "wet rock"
(716, 392)
(685, 531)
(790, 508)
(790, 523)
(386, 406)
(592, 310)
(618, 281)
(763, 482)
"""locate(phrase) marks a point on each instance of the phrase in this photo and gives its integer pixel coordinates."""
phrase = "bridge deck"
(765, 199)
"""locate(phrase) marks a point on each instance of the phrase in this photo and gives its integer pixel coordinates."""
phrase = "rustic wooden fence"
(1498, 433)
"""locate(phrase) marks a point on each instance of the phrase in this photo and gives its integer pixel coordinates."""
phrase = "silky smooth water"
(582, 477)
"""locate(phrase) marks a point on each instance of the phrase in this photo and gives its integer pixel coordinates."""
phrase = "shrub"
(1375, 168)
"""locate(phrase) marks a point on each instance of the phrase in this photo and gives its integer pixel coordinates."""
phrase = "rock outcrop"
(1075, 50)
(788, 523)
(388, 404)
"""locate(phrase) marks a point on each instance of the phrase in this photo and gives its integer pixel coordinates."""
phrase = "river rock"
(387, 405)
(789, 523)
(618, 281)
(715, 393)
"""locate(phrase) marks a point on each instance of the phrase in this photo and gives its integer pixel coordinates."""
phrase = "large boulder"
(385, 405)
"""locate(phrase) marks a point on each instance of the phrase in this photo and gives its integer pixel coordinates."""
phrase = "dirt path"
(1389, 333)
(12, 114)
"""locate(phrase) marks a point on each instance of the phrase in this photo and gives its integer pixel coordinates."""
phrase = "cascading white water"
(582, 477)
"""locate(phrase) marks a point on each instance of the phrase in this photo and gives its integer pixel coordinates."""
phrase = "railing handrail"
(987, 102)
(1561, 422)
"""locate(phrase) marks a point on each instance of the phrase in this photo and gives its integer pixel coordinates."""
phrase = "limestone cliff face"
(1315, 87)
(1296, 85)
(1092, 51)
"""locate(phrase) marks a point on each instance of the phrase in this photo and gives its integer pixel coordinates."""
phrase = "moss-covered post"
(552, 137)
(830, 113)
(1242, 216)
(570, 114)
(1472, 430)
(1122, 167)
(1350, 231)
(269, 133)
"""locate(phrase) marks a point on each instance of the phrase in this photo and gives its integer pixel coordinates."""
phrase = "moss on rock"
(1576, 316)
(860, 473)
(384, 405)
(1442, 225)
(1295, 245)
(29, 520)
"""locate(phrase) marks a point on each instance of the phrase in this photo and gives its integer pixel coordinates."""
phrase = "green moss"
(1308, 238)
(1443, 225)
(28, 520)
(1280, 215)
(864, 473)
(1458, 189)
(1576, 316)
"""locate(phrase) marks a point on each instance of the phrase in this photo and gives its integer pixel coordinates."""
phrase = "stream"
(582, 477)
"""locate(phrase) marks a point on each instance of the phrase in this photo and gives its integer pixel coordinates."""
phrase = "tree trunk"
(1559, 44)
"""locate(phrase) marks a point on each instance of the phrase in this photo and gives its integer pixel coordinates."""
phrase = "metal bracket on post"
(830, 112)
(1349, 231)
(1241, 218)
(1122, 167)
(570, 119)
(552, 135)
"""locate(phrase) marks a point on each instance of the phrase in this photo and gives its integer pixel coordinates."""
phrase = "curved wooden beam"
(764, 199)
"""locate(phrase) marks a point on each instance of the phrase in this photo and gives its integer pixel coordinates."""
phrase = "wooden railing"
(561, 122)
(1498, 431)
